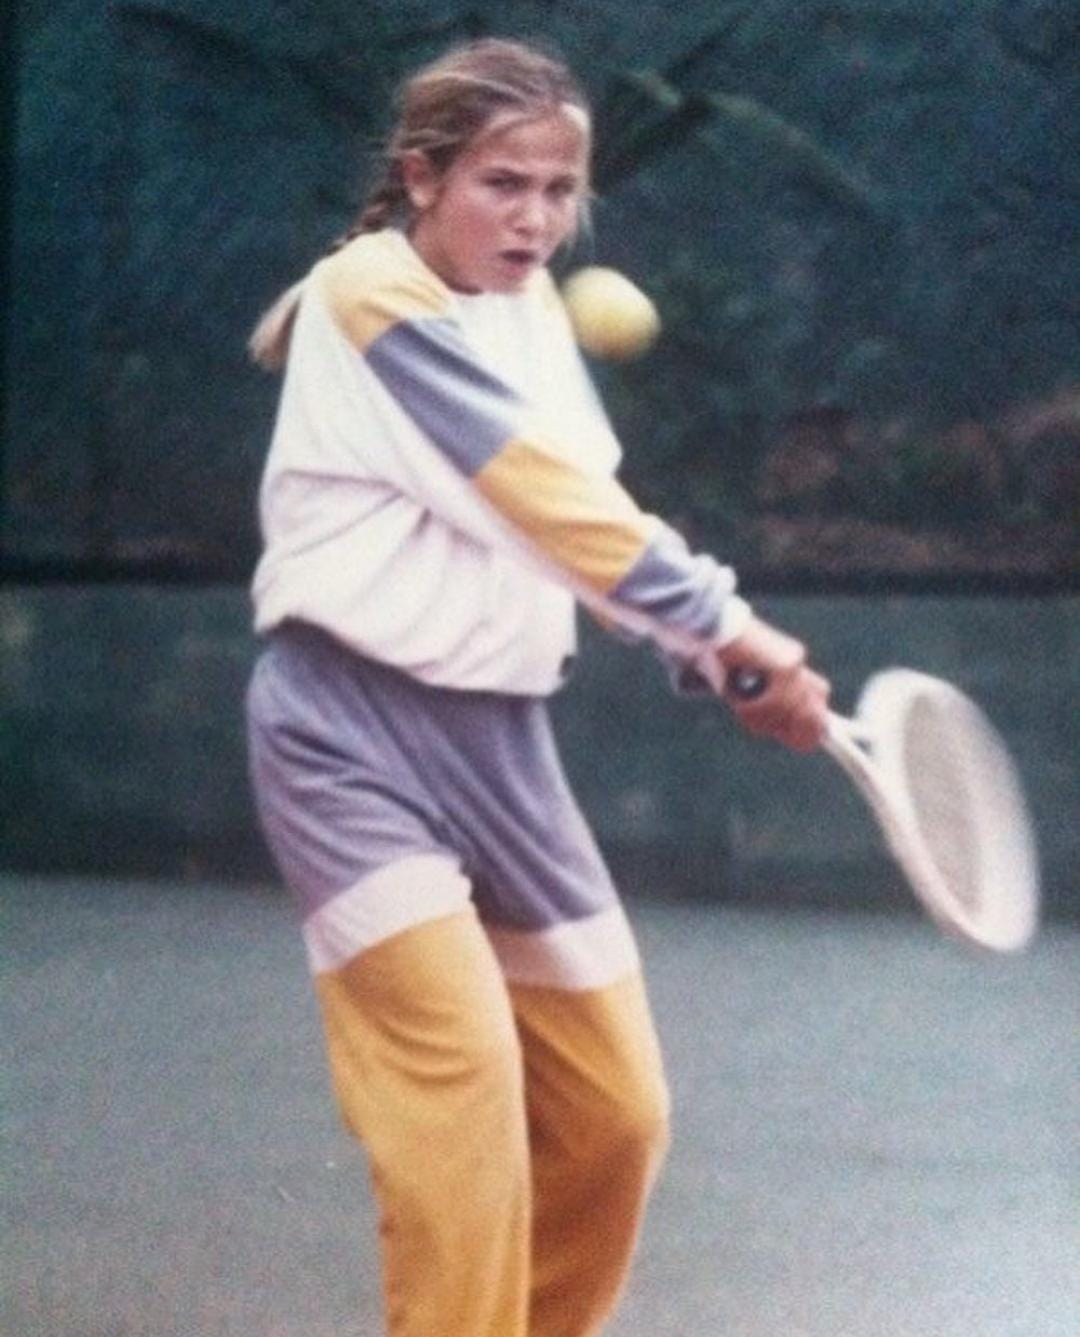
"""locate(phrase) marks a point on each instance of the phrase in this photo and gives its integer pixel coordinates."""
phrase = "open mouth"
(521, 259)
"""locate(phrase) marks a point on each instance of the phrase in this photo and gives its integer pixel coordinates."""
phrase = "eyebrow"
(505, 169)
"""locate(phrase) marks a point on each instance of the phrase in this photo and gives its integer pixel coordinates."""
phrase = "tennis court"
(840, 239)
(874, 1127)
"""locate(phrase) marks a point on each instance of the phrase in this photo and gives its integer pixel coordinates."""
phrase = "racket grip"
(747, 684)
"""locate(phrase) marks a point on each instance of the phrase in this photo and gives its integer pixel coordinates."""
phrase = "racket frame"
(869, 758)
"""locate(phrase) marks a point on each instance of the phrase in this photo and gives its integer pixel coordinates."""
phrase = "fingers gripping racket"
(943, 789)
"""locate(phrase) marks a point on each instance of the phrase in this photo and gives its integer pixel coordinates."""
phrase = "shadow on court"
(873, 1136)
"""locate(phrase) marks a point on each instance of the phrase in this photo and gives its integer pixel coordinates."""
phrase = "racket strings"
(949, 801)
(940, 758)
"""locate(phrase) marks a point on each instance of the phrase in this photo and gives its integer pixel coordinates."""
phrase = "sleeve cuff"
(733, 621)
(702, 675)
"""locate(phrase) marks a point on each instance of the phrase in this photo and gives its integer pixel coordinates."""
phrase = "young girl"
(439, 493)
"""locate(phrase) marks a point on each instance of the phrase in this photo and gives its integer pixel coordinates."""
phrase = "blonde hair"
(442, 109)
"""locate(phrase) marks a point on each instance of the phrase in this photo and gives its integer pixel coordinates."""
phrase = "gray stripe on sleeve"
(676, 588)
(431, 372)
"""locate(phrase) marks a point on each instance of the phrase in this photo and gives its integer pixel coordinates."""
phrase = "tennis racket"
(943, 788)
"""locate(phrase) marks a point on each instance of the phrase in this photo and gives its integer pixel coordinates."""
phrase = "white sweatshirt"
(440, 486)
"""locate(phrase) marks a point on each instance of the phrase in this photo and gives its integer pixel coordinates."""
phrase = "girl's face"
(503, 206)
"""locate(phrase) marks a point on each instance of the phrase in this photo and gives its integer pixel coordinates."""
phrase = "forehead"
(558, 142)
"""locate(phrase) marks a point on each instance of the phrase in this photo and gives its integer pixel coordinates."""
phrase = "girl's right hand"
(792, 707)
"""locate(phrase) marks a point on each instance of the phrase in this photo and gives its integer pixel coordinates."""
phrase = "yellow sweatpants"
(513, 1132)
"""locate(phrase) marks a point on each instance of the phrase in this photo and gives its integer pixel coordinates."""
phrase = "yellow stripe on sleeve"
(377, 282)
(587, 524)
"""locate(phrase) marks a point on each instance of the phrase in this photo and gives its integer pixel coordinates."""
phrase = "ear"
(420, 179)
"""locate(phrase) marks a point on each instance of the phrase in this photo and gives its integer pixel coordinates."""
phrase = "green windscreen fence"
(859, 221)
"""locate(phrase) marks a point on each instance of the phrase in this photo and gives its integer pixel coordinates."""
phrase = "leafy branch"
(641, 115)
(644, 115)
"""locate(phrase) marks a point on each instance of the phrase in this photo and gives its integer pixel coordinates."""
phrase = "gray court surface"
(874, 1127)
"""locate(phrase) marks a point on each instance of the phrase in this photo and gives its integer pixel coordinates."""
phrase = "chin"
(509, 278)
(511, 283)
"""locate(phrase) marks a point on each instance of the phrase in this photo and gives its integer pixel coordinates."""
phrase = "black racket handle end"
(747, 684)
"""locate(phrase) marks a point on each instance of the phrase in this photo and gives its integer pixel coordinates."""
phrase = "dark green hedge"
(859, 221)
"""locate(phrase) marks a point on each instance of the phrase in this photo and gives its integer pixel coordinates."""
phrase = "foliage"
(856, 218)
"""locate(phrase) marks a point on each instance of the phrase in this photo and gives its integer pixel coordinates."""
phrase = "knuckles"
(792, 711)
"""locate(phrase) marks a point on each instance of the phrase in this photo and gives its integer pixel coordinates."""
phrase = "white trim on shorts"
(581, 954)
(399, 896)
(578, 954)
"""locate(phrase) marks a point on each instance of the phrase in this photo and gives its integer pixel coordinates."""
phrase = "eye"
(563, 190)
(503, 182)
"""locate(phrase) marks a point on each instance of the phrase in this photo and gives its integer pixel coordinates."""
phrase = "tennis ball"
(611, 317)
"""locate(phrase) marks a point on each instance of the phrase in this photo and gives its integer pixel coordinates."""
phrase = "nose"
(532, 215)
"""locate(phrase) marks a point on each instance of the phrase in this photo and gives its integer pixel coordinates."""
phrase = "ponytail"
(386, 201)
(268, 346)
